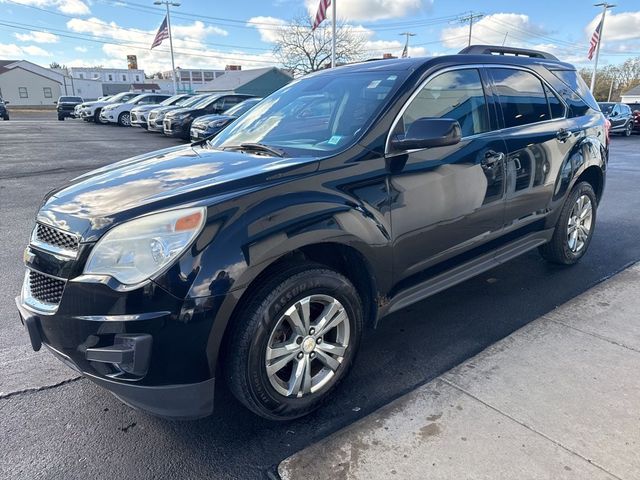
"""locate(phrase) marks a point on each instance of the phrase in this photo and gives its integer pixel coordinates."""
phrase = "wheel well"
(593, 175)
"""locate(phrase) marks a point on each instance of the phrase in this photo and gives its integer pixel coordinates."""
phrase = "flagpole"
(173, 64)
(605, 6)
(333, 34)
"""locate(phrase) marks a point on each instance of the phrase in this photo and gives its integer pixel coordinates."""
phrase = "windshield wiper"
(259, 147)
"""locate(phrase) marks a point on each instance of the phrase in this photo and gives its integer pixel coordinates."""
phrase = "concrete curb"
(556, 399)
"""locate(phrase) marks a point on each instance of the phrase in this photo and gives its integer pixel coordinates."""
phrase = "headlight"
(136, 250)
(217, 123)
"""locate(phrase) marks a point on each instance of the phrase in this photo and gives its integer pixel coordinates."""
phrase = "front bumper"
(172, 128)
(146, 346)
(156, 126)
(108, 116)
(138, 120)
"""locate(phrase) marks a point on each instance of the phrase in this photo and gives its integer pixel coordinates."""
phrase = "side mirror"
(428, 133)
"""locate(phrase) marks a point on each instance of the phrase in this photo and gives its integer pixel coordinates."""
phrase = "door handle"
(563, 135)
(491, 157)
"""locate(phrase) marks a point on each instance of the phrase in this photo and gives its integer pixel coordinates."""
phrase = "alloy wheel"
(307, 346)
(125, 119)
(579, 224)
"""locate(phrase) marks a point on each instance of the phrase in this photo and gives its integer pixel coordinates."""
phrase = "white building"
(190, 79)
(23, 83)
(631, 96)
(114, 80)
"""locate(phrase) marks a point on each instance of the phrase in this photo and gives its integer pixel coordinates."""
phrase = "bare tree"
(617, 78)
(302, 51)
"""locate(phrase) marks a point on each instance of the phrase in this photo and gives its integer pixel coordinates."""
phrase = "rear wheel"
(124, 119)
(575, 226)
(294, 341)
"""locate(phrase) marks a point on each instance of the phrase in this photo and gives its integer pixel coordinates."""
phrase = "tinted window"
(555, 105)
(457, 94)
(70, 99)
(574, 81)
(521, 96)
(606, 108)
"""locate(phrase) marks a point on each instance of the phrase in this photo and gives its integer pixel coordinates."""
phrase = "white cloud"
(371, 10)
(19, 52)
(267, 26)
(70, 7)
(37, 37)
(621, 26)
(191, 51)
(81, 49)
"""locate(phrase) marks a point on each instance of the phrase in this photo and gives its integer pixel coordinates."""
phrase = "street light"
(173, 63)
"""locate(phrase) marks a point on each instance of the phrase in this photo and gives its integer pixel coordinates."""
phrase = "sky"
(214, 33)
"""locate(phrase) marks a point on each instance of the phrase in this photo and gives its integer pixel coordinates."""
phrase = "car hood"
(113, 105)
(183, 110)
(96, 201)
(168, 108)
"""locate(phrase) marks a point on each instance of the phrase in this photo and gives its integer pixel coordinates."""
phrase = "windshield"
(315, 115)
(137, 98)
(204, 102)
(242, 107)
(191, 101)
(606, 108)
(118, 97)
(70, 99)
(171, 100)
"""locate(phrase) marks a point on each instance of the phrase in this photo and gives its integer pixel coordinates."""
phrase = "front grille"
(57, 238)
(152, 116)
(44, 288)
(134, 117)
(167, 124)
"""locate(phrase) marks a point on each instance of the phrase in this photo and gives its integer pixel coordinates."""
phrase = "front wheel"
(628, 129)
(124, 120)
(575, 226)
(294, 341)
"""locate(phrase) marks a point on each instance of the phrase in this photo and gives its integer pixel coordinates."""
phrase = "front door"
(447, 200)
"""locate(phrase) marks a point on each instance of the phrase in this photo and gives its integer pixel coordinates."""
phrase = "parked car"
(4, 113)
(620, 115)
(177, 123)
(139, 113)
(209, 125)
(77, 111)
(120, 112)
(264, 253)
(635, 110)
(90, 111)
(155, 120)
(65, 106)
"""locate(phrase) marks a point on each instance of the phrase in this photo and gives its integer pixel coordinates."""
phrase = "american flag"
(163, 34)
(321, 14)
(595, 39)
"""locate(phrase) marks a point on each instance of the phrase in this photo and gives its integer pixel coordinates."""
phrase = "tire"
(124, 119)
(96, 116)
(255, 380)
(6, 117)
(563, 248)
(628, 130)
(61, 119)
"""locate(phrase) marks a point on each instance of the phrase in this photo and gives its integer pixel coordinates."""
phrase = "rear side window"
(574, 81)
(522, 97)
(457, 94)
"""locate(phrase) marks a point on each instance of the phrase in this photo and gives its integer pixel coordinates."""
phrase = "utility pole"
(613, 80)
(405, 52)
(605, 6)
(470, 18)
(168, 3)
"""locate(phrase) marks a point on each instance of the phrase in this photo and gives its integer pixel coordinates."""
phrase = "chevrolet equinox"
(259, 256)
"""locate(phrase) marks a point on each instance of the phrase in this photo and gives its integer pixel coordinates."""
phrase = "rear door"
(538, 138)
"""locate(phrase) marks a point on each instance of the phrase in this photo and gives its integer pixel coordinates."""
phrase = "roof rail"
(500, 50)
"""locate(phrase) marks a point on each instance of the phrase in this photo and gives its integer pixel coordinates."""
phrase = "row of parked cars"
(186, 116)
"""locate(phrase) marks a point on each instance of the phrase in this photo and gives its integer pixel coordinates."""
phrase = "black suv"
(620, 115)
(66, 106)
(260, 256)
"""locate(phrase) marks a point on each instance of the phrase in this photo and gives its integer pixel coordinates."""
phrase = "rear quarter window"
(579, 91)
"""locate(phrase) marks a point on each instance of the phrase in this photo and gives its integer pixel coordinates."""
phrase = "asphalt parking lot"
(76, 430)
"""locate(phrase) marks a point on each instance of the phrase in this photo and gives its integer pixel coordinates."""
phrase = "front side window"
(457, 94)
(22, 92)
(521, 96)
(47, 92)
(315, 115)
